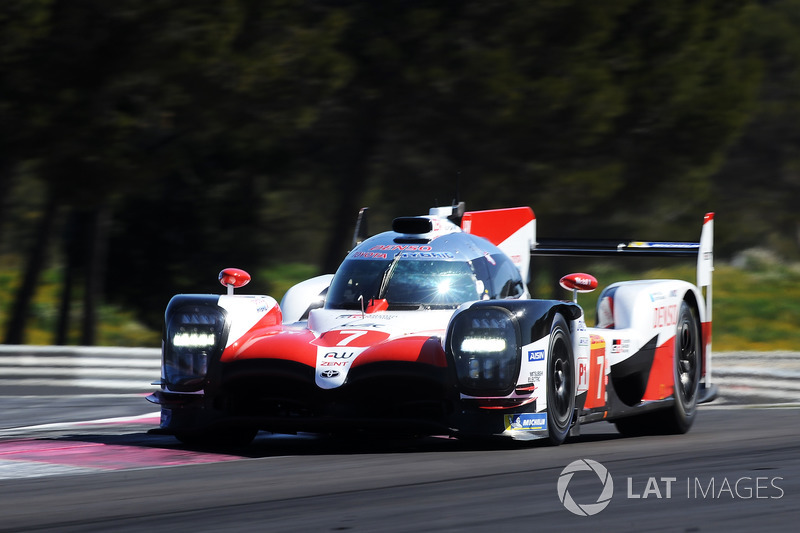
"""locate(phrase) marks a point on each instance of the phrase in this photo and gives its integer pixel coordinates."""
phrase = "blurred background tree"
(145, 146)
(759, 181)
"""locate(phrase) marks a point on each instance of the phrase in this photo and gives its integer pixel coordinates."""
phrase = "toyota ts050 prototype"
(429, 329)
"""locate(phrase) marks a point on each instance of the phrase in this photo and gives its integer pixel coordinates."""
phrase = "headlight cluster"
(194, 335)
(484, 343)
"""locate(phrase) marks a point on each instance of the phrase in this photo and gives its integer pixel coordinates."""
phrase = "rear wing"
(703, 250)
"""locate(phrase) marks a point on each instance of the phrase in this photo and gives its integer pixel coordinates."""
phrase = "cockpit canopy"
(441, 273)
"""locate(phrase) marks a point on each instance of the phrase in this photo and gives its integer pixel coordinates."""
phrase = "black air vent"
(412, 225)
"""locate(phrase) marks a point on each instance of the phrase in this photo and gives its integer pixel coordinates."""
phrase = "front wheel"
(560, 382)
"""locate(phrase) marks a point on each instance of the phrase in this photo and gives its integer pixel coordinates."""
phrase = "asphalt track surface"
(85, 462)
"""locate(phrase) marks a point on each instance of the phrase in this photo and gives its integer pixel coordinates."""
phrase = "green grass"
(756, 306)
(757, 310)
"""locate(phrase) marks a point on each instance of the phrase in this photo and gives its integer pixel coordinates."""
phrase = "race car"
(429, 329)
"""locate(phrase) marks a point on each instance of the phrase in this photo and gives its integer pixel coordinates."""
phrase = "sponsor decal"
(426, 255)
(641, 244)
(535, 376)
(338, 348)
(262, 305)
(365, 324)
(658, 296)
(339, 355)
(384, 251)
(620, 346)
(402, 248)
(357, 323)
(535, 355)
(368, 255)
(526, 421)
(664, 316)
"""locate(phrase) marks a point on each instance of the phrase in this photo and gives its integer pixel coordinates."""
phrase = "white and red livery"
(429, 329)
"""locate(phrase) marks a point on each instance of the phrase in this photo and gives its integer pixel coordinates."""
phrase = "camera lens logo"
(587, 509)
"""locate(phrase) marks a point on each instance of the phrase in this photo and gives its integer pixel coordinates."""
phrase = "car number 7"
(351, 336)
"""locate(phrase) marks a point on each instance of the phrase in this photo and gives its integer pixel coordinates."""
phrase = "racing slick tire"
(560, 382)
(686, 369)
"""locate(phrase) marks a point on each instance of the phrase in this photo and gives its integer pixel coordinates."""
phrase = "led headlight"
(483, 345)
(193, 336)
(484, 342)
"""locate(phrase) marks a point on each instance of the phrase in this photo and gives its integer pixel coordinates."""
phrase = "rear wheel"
(560, 382)
(686, 372)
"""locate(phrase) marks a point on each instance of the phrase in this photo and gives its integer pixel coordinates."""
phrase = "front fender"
(200, 328)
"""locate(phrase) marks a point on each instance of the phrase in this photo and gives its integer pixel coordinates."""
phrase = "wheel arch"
(693, 300)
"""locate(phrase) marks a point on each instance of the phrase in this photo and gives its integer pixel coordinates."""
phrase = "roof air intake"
(412, 225)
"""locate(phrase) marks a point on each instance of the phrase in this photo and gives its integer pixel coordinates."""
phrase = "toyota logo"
(329, 373)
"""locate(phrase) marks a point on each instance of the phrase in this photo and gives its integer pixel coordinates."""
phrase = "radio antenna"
(458, 206)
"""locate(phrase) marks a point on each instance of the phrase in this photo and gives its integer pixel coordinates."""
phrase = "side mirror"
(578, 282)
(233, 278)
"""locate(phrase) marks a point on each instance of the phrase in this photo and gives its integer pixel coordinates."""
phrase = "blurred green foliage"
(147, 145)
(756, 304)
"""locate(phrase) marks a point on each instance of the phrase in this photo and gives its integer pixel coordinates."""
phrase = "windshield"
(404, 283)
